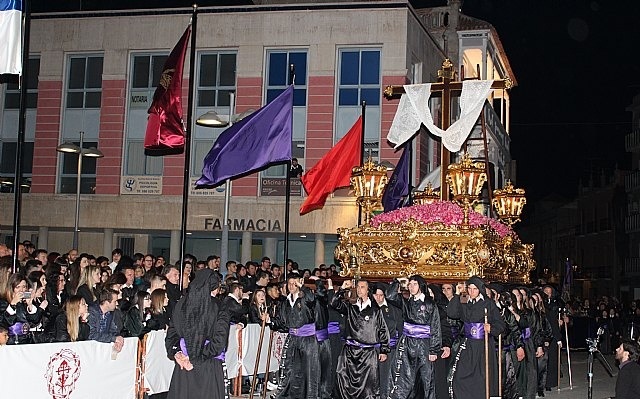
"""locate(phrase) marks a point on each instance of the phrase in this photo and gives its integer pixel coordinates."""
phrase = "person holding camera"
(18, 311)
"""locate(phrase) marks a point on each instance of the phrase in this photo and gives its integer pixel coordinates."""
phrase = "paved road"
(603, 385)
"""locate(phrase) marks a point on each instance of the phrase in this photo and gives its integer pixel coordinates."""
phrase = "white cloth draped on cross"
(414, 110)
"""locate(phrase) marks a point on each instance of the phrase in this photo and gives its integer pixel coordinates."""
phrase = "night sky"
(576, 63)
(577, 68)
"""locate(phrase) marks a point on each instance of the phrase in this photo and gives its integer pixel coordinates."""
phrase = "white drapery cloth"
(414, 110)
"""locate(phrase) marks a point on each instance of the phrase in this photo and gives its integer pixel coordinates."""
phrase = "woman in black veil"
(196, 340)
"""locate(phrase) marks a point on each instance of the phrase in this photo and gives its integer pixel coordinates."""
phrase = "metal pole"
(17, 181)
(224, 245)
(78, 185)
(364, 108)
(187, 141)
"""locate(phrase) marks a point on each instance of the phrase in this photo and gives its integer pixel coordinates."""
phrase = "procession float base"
(431, 240)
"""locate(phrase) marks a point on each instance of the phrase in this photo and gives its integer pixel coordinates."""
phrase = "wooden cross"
(446, 87)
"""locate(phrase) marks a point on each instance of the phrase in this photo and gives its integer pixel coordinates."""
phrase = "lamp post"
(211, 119)
(92, 152)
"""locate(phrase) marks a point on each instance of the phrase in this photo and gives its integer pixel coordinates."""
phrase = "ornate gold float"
(443, 241)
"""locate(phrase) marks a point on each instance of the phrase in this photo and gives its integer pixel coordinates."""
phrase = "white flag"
(11, 37)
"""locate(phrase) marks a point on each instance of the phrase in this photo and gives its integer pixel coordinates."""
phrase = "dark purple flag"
(258, 140)
(398, 186)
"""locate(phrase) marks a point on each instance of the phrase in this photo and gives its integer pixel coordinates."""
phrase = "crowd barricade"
(156, 369)
(86, 369)
(89, 369)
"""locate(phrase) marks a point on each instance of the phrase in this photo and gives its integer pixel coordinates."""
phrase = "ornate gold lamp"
(368, 182)
(509, 203)
(427, 196)
(465, 179)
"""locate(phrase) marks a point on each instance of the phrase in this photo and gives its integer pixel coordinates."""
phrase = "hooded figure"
(420, 344)
(467, 376)
(553, 306)
(441, 364)
(196, 340)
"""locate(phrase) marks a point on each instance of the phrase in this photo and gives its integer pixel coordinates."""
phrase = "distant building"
(631, 272)
(96, 72)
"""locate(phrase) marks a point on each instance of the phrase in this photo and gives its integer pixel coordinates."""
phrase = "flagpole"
(410, 154)
(224, 245)
(187, 140)
(17, 182)
(287, 195)
(364, 108)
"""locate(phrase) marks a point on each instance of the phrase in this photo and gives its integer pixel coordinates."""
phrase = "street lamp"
(92, 152)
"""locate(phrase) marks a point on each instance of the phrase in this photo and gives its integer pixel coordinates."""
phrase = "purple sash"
(19, 329)
(474, 330)
(526, 334)
(221, 356)
(306, 330)
(183, 348)
(322, 335)
(416, 330)
(351, 342)
(393, 341)
(334, 327)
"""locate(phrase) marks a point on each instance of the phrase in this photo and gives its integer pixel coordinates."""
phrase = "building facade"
(96, 72)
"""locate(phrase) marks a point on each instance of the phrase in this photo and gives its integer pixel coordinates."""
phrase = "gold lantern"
(465, 179)
(428, 196)
(509, 203)
(368, 182)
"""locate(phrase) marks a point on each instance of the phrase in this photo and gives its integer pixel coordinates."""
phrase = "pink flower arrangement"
(445, 212)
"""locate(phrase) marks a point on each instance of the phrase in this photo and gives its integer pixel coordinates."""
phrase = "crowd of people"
(402, 339)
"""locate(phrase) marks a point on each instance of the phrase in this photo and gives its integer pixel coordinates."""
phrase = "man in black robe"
(300, 365)
(196, 340)
(552, 304)
(357, 371)
(421, 341)
(324, 345)
(467, 377)
(393, 319)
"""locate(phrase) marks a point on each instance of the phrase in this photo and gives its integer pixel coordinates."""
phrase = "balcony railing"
(632, 181)
(632, 223)
(632, 141)
(631, 266)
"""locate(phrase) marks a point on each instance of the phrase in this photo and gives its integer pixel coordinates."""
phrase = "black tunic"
(413, 371)
(552, 307)
(467, 378)
(511, 341)
(357, 370)
(393, 318)
(324, 345)
(300, 365)
(207, 379)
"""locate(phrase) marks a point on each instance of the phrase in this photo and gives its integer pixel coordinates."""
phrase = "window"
(146, 70)
(359, 79)
(216, 81)
(277, 80)
(9, 133)
(69, 175)
(83, 98)
(84, 89)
